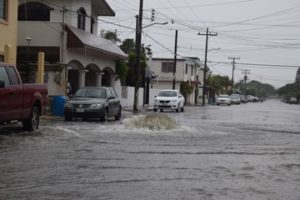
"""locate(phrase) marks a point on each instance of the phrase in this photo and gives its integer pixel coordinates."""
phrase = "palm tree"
(110, 35)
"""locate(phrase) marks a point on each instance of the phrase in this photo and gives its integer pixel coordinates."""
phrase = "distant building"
(8, 31)
(189, 71)
(66, 31)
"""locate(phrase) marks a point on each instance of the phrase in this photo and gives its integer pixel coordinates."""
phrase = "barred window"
(81, 18)
(167, 67)
(3, 9)
(186, 68)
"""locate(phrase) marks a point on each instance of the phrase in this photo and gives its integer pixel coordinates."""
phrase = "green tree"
(186, 89)
(128, 46)
(287, 91)
(256, 88)
(297, 82)
(110, 35)
(220, 83)
(291, 89)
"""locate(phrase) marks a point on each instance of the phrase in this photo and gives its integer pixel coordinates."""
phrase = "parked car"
(169, 99)
(244, 99)
(20, 102)
(235, 99)
(252, 98)
(223, 100)
(93, 102)
(293, 100)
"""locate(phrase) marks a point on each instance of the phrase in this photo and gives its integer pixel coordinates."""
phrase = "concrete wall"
(127, 101)
(41, 33)
(85, 57)
(8, 34)
(71, 16)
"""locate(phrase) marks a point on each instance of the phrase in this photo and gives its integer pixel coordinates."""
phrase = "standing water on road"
(249, 151)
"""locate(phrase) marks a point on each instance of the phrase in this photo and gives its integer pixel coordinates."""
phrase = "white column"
(112, 80)
(99, 78)
(82, 78)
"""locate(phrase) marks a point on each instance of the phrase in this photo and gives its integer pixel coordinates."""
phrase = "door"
(112, 103)
(11, 96)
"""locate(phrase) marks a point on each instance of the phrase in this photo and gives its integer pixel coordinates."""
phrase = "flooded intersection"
(250, 151)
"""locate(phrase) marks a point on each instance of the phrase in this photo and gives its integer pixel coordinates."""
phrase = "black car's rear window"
(91, 93)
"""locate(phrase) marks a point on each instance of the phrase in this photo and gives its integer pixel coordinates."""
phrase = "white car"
(235, 99)
(223, 99)
(169, 99)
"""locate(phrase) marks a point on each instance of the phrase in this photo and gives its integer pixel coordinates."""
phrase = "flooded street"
(249, 151)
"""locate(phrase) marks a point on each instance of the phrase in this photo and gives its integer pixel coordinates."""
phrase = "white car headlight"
(174, 101)
(155, 100)
(98, 105)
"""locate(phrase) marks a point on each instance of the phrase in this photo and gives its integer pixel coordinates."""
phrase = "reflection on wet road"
(250, 151)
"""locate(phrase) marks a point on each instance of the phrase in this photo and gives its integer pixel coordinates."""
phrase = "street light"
(138, 40)
(148, 72)
(28, 39)
(214, 49)
(159, 23)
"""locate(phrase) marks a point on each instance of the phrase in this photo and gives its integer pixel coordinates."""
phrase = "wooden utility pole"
(175, 60)
(233, 69)
(138, 56)
(245, 72)
(205, 63)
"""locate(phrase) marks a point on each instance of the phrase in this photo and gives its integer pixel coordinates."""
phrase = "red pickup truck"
(20, 102)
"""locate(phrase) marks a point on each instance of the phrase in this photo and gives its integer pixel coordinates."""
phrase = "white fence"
(126, 95)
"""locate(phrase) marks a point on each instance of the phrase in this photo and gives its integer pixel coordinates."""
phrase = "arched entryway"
(108, 77)
(74, 68)
(92, 76)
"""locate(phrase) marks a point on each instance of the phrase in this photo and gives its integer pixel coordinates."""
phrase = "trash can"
(58, 103)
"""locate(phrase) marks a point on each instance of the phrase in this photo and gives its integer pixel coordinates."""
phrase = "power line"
(263, 16)
(258, 64)
(204, 5)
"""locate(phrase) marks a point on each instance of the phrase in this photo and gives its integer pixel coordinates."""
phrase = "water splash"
(152, 121)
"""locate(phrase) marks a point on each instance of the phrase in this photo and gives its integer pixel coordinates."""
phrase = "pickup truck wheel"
(32, 122)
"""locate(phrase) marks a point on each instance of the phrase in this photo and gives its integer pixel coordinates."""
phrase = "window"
(1, 58)
(192, 70)
(34, 11)
(81, 18)
(167, 67)
(109, 93)
(4, 76)
(186, 68)
(12, 76)
(3, 9)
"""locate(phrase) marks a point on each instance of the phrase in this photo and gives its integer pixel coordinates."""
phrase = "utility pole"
(233, 68)
(138, 55)
(205, 63)
(245, 72)
(175, 60)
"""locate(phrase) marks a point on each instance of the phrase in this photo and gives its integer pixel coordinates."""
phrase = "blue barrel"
(58, 103)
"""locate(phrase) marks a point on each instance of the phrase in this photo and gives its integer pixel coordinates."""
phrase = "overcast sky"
(256, 31)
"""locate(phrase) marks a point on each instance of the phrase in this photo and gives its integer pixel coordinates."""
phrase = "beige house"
(66, 31)
(189, 71)
(8, 31)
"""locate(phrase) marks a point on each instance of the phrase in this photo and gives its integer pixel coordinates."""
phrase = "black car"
(93, 102)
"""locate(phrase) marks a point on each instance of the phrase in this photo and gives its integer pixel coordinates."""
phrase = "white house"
(189, 71)
(66, 31)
